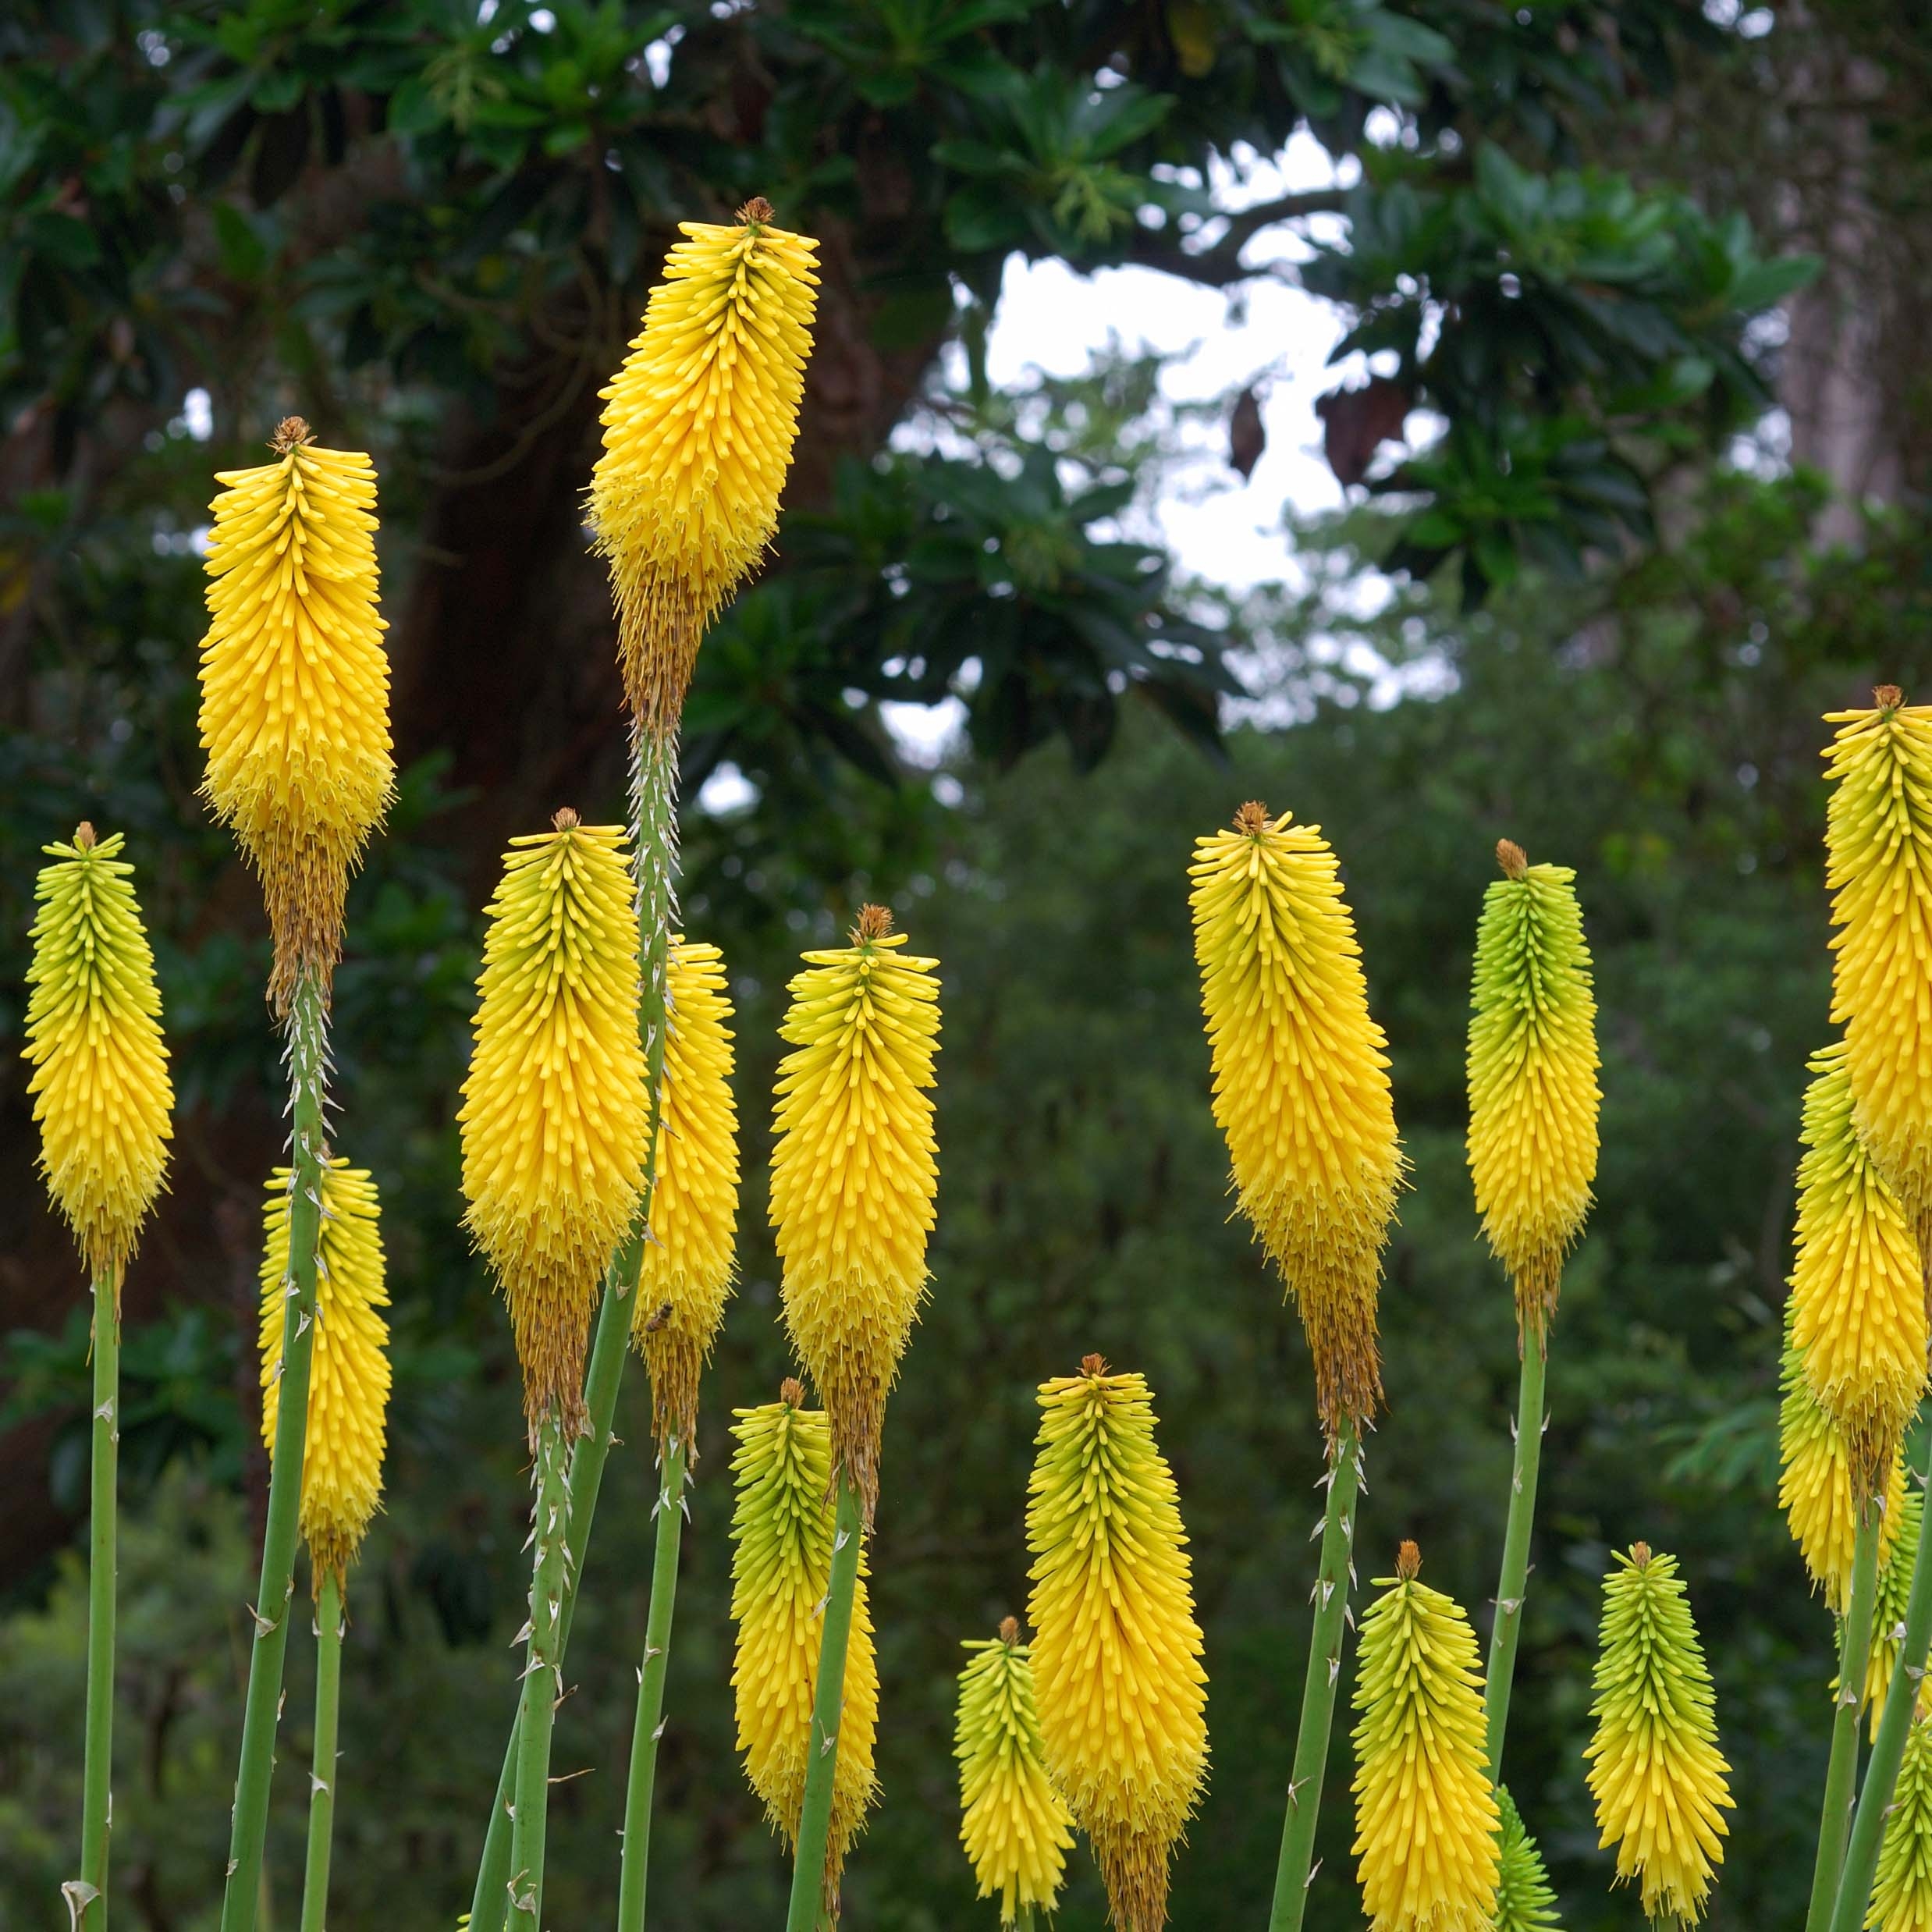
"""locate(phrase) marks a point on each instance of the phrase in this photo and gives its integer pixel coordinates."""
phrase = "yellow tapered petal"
(698, 426)
(348, 1373)
(1115, 1652)
(1301, 1085)
(685, 1277)
(99, 1087)
(781, 1529)
(1427, 1825)
(295, 686)
(854, 1173)
(1902, 1899)
(1013, 1826)
(553, 1117)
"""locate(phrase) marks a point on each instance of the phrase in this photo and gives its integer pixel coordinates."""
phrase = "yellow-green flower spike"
(553, 1115)
(100, 1088)
(1533, 1096)
(1525, 1902)
(1015, 1829)
(685, 1277)
(1426, 1822)
(295, 686)
(1901, 1896)
(1301, 1085)
(1116, 1651)
(1857, 1296)
(348, 1376)
(855, 1175)
(1878, 847)
(782, 1529)
(698, 427)
(1888, 1608)
(1660, 1784)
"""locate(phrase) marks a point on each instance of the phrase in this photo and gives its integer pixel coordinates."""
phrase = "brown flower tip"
(1640, 1554)
(1093, 1365)
(291, 433)
(791, 1392)
(1511, 857)
(756, 212)
(1409, 1561)
(1887, 697)
(875, 922)
(1009, 1630)
(84, 835)
(565, 819)
(1252, 819)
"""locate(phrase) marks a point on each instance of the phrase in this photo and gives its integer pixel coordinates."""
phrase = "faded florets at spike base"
(685, 1277)
(553, 1118)
(1116, 1652)
(1301, 1085)
(99, 1087)
(1901, 1896)
(349, 1374)
(1426, 1821)
(1661, 1785)
(782, 1530)
(1524, 1901)
(1014, 1825)
(295, 687)
(1533, 1096)
(698, 427)
(1857, 1296)
(855, 1175)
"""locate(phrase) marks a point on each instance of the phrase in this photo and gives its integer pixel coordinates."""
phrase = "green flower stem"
(821, 1756)
(543, 1683)
(307, 1061)
(90, 1896)
(321, 1784)
(1514, 1584)
(1888, 1750)
(1841, 1781)
(650, 1725)
(1332, 1583)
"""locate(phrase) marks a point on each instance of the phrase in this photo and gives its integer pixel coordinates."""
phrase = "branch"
(1220, 266)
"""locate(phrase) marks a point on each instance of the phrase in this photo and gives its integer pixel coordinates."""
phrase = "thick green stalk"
(1513, 1584)
(1888, 1748)
(543, 1683)
(1841, 1779)
(822, 1756)
(321, 1783)
(307, 1058)
(1332, 1581)
(649, 1726)
(654, 797)
(88, 1898)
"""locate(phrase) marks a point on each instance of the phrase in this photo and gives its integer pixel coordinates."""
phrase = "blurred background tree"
(1562, 231)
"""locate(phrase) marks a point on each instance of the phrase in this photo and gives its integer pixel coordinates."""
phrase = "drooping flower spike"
(855, 1175)
(1902, 1898)
(295, 687)
(1533, 1096)
(348, 1376)
(1015, 1828)
(1116, 1651)
(99, 1087)
(1301, 1085)
(1525, 1902)
(1660, 1784)
(698, 427)
(1426, 1821)
(685, 1277)
(782, 1532)
(553, 1116)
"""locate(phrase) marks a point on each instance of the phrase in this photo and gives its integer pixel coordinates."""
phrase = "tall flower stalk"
(294, 719)
(1302, 1094)
(102, 1101)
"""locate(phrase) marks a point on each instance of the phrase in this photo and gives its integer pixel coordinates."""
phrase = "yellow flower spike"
(1533, 1096)
(698, 427)
(1902, 1898)
(1857, 1296)
(348, 1376)
(1427, 1825)
(295, 687)
(1660, 1784)
(553, 1115)
(1116, 1652)
(1301, 1085)
(1014, 1828)
(854, 1173)
(685, 1277)
(781, 1566)
(99, 1087)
